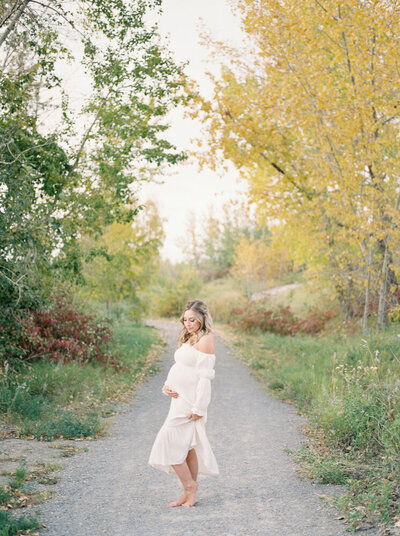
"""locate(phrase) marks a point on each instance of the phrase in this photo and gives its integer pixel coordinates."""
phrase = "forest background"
(301, 275)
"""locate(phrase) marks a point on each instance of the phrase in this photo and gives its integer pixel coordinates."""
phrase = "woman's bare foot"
(191, 495)
(179, 501)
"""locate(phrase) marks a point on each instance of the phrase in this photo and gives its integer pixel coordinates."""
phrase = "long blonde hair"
(201, 312)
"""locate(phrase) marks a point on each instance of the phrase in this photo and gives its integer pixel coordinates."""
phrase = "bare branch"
(9, 13)
(87, 134)
(321, 6)
(14, 21)
(14, 283)
(70, 22)
(16, 158)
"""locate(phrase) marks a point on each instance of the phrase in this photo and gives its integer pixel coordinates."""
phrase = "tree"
(260, 262)
(126, 261)
(173, 287)
(210, 244)
(54, 186)
(310, 119)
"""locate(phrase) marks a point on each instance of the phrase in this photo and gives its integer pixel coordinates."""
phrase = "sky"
(186, 190)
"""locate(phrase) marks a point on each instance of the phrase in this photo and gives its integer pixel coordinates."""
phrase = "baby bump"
(182, 380)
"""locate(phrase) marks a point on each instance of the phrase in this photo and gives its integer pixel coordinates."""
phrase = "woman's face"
(190, 322)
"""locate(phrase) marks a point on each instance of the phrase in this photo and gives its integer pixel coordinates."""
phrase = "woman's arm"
(205, 373)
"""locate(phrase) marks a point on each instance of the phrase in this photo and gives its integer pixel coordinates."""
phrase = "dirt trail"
(112, 490)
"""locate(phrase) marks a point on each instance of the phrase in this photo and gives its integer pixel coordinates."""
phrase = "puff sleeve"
(205, 373)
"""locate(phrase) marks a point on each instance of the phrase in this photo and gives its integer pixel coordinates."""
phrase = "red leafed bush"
(316, 320)
(63, 333)
(281, 321)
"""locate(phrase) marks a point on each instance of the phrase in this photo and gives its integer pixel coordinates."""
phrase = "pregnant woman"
(181, 445)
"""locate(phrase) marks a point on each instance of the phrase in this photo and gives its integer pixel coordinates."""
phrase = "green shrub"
(17, 398)
(391, 434)
(10, 526)
(62, 423)
(356, 420)
(47, 399)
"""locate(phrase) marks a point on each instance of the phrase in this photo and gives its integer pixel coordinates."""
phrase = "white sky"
(186, 189)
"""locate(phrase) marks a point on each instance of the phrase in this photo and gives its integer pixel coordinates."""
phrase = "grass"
(47, 400)
(20, 494)
(300, 299)
(221, 295)
(9, 526)
(349, 388)
(224, 294)
(19, 477)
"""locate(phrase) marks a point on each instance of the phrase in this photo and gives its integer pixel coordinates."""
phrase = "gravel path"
(112, 490)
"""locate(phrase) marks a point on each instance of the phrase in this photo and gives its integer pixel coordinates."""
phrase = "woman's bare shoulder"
(206, 344)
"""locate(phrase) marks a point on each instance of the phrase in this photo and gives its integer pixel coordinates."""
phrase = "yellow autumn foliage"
(309, 114)
(127, 258)
(259, 264)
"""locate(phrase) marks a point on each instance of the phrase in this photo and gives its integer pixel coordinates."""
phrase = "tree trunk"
(383, 290)
(382, 313)
(248, 289)
(13, 22)
(367, 293)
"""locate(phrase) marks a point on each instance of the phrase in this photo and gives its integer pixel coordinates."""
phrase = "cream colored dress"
(190, 377)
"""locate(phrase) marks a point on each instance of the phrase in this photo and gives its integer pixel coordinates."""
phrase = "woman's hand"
(170, 392)
(194, 417)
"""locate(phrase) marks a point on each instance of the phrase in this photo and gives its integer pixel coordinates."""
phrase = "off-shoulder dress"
(190, 377)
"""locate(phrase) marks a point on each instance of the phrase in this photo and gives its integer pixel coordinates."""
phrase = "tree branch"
(87, 134)
(278, 168)
(16, 158)
(9, 13)
(70, 22)
(14, 21)
(321, 6)
(14, 283)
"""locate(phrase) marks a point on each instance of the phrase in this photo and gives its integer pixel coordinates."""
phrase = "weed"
(19, 477)
(48, 480)
(10, 526)
(42, 473)
(40, 497)
(349, 387)
(51, 466)
(5, 495)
